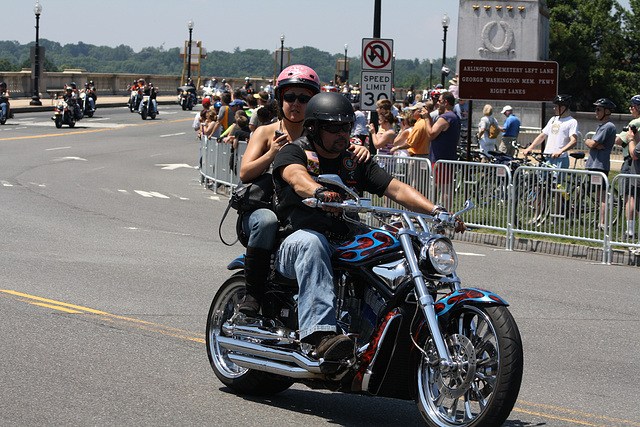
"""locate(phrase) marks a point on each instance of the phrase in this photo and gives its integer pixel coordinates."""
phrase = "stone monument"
(503, 30)
(506, 31)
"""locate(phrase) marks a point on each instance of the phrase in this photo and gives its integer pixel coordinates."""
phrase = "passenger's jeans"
(5, 109)
(305, 255)
(261, 226)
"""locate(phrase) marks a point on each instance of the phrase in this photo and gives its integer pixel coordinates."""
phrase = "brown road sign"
(508, 80)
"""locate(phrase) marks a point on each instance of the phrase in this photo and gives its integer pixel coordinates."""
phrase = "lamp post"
(190, 26)
(281, 50)
(445, 24)
(346, 69)
(431, 75)
(35, 99)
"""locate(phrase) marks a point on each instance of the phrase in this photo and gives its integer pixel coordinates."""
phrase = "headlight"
(441, 255)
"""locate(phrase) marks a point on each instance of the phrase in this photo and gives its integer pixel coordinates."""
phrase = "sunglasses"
(291, 98)
(336, 127)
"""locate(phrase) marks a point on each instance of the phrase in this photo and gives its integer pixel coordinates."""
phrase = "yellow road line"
(76, 309)
(577, 413)
(68, 310)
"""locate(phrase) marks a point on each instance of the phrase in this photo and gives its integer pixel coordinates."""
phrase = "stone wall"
(20, 83)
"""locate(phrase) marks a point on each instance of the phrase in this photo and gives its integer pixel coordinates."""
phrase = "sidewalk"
(22, 105)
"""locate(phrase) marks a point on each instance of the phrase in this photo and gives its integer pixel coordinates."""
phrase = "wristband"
(437, 209)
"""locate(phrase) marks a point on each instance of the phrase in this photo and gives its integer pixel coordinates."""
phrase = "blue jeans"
(261, 226)
(305, 255)
(154, 105)
(5, 109)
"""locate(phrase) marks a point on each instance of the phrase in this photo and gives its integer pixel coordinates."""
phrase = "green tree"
(586, 40)
(5, 65)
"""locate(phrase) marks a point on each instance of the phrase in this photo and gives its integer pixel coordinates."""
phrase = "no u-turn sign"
(377, 72)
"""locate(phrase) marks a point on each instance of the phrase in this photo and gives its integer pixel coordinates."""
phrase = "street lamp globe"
(37, 8)
(446, 21)
(282, 38)
(190, 24)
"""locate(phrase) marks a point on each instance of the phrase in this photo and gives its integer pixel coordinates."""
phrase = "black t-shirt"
(357, 176)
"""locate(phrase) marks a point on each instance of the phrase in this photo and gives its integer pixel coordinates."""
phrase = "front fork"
(425, 300)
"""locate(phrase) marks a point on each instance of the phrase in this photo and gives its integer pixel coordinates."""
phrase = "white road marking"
(151, 194)
(469, 254)
(6, 184)
(178, 197)
(172, 134)
(174, 166)
(57, 148)
(60, 159)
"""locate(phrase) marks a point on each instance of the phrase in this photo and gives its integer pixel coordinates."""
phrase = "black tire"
(143, 113)
(3, 120)
(240, 380)
(58, 121)
(152, 115)
(132, 106)
(485, 391)
(72, 121)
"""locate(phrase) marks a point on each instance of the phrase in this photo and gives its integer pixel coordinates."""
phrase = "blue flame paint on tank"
(374, 242)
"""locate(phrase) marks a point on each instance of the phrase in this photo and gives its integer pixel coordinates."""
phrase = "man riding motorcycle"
(305, 254)
(151, 92)
(4, 102)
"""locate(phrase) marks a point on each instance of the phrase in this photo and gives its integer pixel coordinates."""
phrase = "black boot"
(257, 263)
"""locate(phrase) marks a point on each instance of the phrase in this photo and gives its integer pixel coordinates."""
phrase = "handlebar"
(363, 205)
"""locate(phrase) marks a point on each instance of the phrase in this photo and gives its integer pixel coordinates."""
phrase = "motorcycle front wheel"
(241, 380)
(143, 113)
(482, 390)
(58, 121)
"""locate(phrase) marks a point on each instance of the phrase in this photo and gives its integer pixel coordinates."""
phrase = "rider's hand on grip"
(325, 195)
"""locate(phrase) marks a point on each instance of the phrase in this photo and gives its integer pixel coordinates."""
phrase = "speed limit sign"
(376, 85)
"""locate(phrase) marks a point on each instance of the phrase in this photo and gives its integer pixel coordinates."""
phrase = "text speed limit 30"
(376, 85)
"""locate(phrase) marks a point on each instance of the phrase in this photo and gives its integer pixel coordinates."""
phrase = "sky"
(413, 25)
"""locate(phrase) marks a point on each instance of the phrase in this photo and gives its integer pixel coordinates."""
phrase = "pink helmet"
(297, 75)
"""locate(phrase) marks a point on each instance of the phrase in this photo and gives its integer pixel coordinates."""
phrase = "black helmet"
(3, 84)
(605, 103)
(328, 107)
(73, 85)
(562, 100)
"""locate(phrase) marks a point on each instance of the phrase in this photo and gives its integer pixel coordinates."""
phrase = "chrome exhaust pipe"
(272, 367)
(257, 331)
(274, 360)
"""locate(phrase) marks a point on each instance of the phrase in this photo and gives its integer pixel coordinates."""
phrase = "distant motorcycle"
(64, 114)
(210, 89)
(3, 118)
(147, 110)
(187, 97)
(134, 100)
(86, 105)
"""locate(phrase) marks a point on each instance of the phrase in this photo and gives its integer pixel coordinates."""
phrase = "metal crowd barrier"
(539, 201)
(220, 164)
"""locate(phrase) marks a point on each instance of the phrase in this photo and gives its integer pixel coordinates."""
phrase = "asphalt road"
(111, 255)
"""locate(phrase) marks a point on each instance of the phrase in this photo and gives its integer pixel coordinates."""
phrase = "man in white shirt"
(561, 133)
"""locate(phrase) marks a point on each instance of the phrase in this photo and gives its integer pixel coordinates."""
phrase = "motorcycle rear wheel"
(72, 122)
(484, 390)
(241, 380)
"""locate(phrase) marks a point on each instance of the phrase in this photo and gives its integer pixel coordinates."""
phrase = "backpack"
(494, 130)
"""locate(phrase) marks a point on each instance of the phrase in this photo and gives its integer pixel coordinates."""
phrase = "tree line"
(594, 42)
